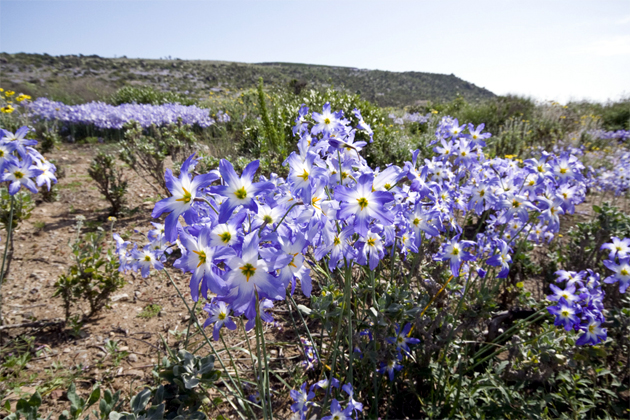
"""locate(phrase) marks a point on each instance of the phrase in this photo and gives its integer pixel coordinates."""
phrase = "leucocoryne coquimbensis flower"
(106, 116)
(248, 242)
(21, 165)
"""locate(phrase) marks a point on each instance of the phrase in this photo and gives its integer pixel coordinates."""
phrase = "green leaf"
(36, 400)
(140, 401)
(94, 396)
(72, 396)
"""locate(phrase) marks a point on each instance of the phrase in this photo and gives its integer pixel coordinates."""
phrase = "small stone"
(100, 354)
(67, 350)
(133, 358)
(37, 275)
(136, 373)
(120, 297)
(123, 348)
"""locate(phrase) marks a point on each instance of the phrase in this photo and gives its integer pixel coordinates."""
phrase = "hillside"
(82, 78)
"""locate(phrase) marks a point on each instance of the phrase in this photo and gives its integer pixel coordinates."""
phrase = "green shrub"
(616, 116)
(146, 150)
(110, 180)
(94, 275)
(147, 95)
(50, 140)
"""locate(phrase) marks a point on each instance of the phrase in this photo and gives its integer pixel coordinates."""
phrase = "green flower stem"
(308, 332)
(189, 324)
(259, 372)
(285, 215)
(348, 297)
(238, 379)
(216, 355)
(334, 360)
(266, 365)
(6, 249)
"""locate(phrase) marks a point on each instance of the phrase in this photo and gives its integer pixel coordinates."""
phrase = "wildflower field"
(275, 253)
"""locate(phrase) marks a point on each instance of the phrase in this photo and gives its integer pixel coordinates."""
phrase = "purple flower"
(356, 406)
(621, 273)
(453, 252)
(593, 333)
(336, 413)
(249, 274)
(324, 383)
(390, 367)
(302, 400)
(566, 314)
(146, 259)
(239, 191)
(501, 259)
(618, 247)
(184, 191)
(19, 174)
(200, 258)
(18, 141)
(402, 339)
(219, 315)
(364, 204)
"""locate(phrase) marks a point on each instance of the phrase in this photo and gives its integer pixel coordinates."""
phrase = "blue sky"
(550, 50)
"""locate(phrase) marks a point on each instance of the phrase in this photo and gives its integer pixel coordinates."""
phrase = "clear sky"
(550, 50)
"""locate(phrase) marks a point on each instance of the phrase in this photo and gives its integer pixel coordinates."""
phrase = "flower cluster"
(105, 116)
(21, 165)
(303, 400)
(246, 242)
(150, 256)
(579, 306)
(411, 118)
(615, 176)
(619, 135)
(310, 354)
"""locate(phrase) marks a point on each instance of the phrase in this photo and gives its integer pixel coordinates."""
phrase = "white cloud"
(607, 47)
(623, 20)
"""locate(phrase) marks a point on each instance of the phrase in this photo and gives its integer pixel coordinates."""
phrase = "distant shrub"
(273, 134)
(94, 275)
(148, 95)
(146, 150)
(110, 180)
(50, 140)
(616, 116)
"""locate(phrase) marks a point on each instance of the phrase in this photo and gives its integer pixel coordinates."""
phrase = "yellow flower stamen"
(248, 270)
(241, 194)
(202, 257)
(186, 198)
(225, 237)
